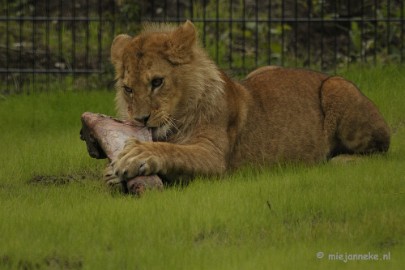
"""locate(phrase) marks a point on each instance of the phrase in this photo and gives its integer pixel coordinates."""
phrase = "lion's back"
(285, 119)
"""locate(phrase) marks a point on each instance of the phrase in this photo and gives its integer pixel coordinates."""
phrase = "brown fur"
(205, 123)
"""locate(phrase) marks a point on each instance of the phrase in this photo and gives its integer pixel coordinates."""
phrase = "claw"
(142, 168)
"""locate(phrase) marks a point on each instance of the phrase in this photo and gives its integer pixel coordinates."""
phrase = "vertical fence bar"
(33, 51)
(113, 18)
(335, 43)
(47, 42)
(244, 34)
(296, 32)
(99, 40)
(282, 31)
(309, 4)
(375, 33)
(322, 35)
(230, 34)
(388, 27)
(87, 35)
(20, 47)
(402, 31)
(349, 40)
(217, 31)
(74, 21)
(61, 64)
(178, 10)
(362, 50)
(256, 33)
(269, 33)
(204, 22)
(7, 45)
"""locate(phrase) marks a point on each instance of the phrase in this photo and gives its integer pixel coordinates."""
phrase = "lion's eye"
(127, 89)
(156, 82)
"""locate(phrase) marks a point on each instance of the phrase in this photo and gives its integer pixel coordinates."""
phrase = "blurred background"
(60, 44)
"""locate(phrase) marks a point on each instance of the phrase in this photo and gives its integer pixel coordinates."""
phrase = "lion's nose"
(143, 119)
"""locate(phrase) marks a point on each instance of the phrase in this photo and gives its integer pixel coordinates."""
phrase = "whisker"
(167, 125)
(171, 123)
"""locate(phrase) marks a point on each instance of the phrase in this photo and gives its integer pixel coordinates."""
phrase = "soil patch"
(59, 180)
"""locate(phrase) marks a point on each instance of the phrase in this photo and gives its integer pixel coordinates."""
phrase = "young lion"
(203, 123)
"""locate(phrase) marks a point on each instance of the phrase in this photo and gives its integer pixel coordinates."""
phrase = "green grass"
(275, 218)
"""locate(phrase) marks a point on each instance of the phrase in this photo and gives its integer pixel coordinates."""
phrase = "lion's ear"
(181, 42)
(117, 50)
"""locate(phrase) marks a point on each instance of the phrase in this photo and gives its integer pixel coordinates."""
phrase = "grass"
(56, 214)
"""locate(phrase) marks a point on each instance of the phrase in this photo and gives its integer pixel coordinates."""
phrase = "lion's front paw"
(137, 158)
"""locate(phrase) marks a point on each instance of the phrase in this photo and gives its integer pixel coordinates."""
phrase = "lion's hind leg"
(352, 124)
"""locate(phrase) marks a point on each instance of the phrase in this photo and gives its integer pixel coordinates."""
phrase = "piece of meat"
(105, 137)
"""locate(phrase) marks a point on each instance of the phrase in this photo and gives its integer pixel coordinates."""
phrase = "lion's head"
(163, 77)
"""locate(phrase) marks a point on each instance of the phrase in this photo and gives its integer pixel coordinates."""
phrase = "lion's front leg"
(146, 158)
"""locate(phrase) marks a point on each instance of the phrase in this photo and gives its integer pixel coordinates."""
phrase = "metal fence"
(48, 44)
(52, 44)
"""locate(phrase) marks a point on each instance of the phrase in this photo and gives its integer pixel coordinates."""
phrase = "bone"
(105, 137)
